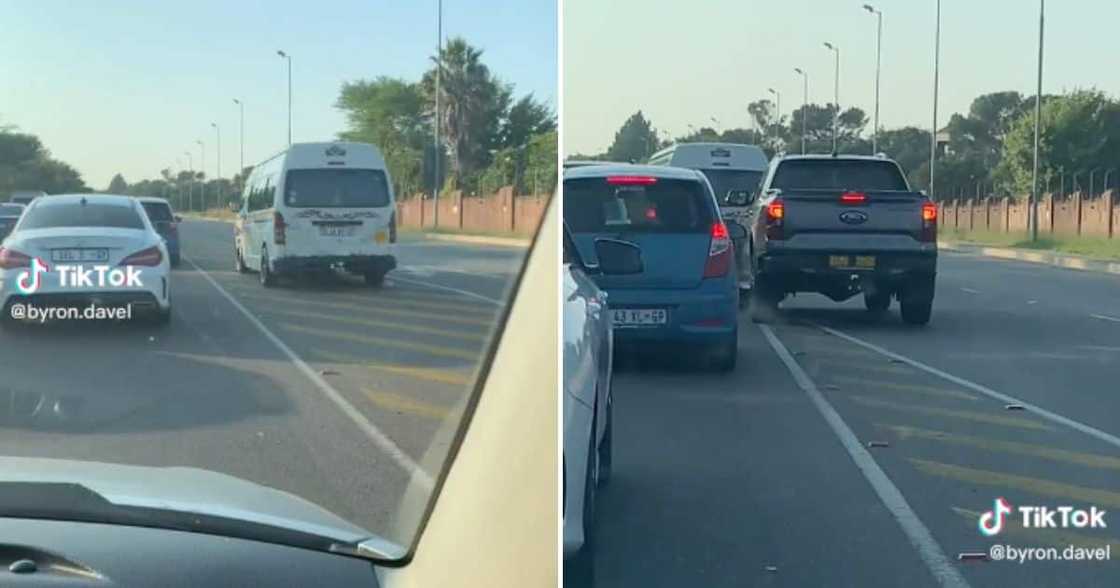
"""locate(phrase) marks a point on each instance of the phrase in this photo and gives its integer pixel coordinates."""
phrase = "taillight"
(929, 222)
(393, 228)
(148, 257)
(279, 229)
(853, 198)
(775, 220)
(631, 180)
(719, 252)
(12, 259)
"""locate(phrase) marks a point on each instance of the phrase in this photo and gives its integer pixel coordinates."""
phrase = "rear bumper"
(354, 263)
(889, 266)
(707, 314)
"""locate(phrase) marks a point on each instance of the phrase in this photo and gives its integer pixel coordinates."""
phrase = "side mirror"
(736, 231)
(739, 197)
(618, 258)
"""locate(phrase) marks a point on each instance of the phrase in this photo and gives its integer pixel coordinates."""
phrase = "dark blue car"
(166, 224)
(687, 292)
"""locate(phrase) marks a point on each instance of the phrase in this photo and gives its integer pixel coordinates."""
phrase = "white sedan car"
(588, 404)
(85, 251)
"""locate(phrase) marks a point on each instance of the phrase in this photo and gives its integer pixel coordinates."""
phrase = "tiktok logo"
(29, 281)
(991, 522)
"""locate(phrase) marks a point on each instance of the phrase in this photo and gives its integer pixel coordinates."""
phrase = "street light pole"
(836, 83)
(218, 170)
(936, 80)
(241, 109)
(778, 115)
(202, 168)
(878, 66)
(438, 120)
(804, 106)
(190, 185)
(1037, 122)
(289, 59)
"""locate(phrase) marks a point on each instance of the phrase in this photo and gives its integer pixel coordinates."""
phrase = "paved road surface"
(214, 391)
(741, 480)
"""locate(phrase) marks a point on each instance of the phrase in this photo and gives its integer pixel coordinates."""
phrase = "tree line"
(25, 164)
(987, 151)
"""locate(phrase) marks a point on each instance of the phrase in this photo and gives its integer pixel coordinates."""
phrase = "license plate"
(329, 231)
(79, 255)
(864, 262)
(635, 317)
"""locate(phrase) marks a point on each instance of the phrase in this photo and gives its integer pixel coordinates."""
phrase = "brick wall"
(496, 213)
(1074, 215)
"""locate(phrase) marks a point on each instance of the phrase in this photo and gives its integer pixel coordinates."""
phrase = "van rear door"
(336, 211)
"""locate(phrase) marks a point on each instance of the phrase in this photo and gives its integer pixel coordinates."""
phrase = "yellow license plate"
(851, 262)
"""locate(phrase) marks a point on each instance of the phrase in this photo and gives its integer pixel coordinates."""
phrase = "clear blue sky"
(129, 85)
(684, 62)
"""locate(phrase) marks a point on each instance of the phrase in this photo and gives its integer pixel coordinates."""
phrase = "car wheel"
(268, 280)
(375, 279)
(239, 262)
(579, 569)
(916, 302)
(606, 446)
(726, 355)
(877, 303)
(765, 298)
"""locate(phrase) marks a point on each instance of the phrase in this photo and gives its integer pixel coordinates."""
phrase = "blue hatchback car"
(687, 292)
(166, 223)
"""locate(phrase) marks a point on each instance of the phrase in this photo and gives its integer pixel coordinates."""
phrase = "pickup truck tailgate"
(881, 219)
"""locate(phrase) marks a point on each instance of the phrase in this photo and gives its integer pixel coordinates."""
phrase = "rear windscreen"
(158, 212)
(336, 188)
(829, 174)
(593, 205)
(82, 215)
(726, 180)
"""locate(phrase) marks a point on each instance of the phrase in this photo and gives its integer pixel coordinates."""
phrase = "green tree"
(1079, 132)
(117, 185)
(818, 130)
(527, 118)
(473, 103)
(909, 146)
(26, 165)
(392, 114)
(635, 141)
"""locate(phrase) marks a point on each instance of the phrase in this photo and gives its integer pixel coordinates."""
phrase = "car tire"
(239, 262)
(877, 303)
(727, 355)
(606, 446)
(374, 279)
(916, 302)
(268, 279)
(579, 569)
(764, 301)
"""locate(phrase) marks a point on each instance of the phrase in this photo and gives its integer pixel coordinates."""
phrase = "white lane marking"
(1104, 317)
(379, 438)
(1003, 398)
(466, 293)
(970, 290)
(916, 531)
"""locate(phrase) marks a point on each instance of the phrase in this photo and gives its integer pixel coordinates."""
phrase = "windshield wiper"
(75, 502)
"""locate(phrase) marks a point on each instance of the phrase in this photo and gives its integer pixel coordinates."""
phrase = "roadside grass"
(501, 234)
(1095, 247)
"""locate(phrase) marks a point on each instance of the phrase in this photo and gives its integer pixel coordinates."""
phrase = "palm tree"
(472, 103)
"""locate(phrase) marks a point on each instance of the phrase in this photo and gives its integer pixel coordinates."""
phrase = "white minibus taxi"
(315, 207)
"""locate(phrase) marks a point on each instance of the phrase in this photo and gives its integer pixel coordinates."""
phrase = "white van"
(318, 206)
(734, 170)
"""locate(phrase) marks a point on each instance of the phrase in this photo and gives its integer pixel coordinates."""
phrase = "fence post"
(1077, 212)
(1109, 208)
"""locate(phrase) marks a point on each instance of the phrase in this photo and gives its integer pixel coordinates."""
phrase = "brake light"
(147, 257)
(775, 220)
(719, 252)
(279, 229)
(853, 198)
(12, 259)
(776, 211)
(929, 212)
(631, 180)
(929, 222)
